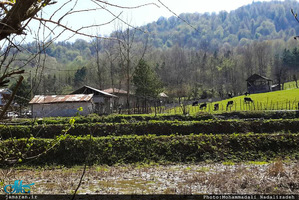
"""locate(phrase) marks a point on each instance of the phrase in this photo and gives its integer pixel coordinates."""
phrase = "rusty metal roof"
(41, 99)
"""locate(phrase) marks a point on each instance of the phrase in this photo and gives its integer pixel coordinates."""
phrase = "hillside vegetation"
(210, 60)
(257, 21)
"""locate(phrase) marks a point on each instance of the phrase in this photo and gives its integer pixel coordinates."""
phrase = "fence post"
(240, 105)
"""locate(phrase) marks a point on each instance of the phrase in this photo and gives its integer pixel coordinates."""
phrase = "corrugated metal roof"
(115, 91)
(83, 90)
(256, 76)
(40, 99)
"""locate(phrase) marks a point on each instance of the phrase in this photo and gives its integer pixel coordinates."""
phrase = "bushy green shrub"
(151, 148)
(93, 118)
(271, 114)
(153, 127)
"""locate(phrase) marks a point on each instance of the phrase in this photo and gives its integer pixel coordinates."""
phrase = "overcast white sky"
(140, 16)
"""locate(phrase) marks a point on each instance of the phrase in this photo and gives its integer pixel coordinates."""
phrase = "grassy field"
(278, 100)
(290, 85)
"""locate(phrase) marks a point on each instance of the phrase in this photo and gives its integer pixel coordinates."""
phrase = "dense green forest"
(210, 55)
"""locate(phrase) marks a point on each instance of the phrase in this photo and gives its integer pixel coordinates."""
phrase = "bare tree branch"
(77, 32)
(12, 97)
(126, 7)
(177, 15)
(129, 25)
(296, 18)
(19, 12)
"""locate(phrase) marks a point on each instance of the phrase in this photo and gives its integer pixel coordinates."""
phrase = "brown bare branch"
(2, 3)
(19, 13)
(296, 18)
(126, 7)
(78, 30)
(7, 75)
(129, 25)
(12, 97)
(177, 15)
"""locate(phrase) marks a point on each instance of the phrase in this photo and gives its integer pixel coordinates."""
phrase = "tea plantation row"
(152, 127)
(149, 148)
(137, 118)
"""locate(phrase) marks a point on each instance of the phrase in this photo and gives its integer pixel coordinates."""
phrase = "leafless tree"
(280, 72)
(248, 59)
(15, 23)
(261, 51)
(130, 53)
(16, 18)
(111, 57)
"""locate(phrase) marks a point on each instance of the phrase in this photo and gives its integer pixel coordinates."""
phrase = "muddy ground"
(241, 178)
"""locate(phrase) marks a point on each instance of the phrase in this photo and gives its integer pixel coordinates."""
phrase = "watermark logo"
(17, 187)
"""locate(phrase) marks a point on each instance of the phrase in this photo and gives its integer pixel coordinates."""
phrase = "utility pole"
(128, 71)
(31, 89)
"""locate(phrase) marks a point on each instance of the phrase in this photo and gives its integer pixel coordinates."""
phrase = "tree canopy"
(146, 82)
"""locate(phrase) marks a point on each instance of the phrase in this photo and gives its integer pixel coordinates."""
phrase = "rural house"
(103, 101)
(122, 97)
(61, 105)
(258, 84)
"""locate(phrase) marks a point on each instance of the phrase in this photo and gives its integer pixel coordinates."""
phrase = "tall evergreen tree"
(146, 82)
(80, 76)
(22, 97)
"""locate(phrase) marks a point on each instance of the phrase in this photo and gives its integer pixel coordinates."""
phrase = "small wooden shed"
(258, 84)
(103, 101)
(122, 97)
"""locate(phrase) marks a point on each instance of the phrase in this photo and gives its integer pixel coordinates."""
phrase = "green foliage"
(23, 93)
(146, 81)
(93, 118)
(150, 148)
(259, 20)
(80, 76)
(154, 127)
(236, 31)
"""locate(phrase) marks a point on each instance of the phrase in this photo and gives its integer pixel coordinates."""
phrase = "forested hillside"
(210, 55)
(258, 21)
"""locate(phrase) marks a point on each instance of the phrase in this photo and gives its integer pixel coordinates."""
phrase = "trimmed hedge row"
(149, 148)
(136, 118)
(267, 114)
(93, 118)
(153, 127)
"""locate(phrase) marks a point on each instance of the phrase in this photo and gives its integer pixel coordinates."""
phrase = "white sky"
(138, 16)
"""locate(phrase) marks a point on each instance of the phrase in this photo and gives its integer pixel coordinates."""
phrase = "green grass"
(277, 100)
(228, 163)
(290, 85)
(257, 163)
